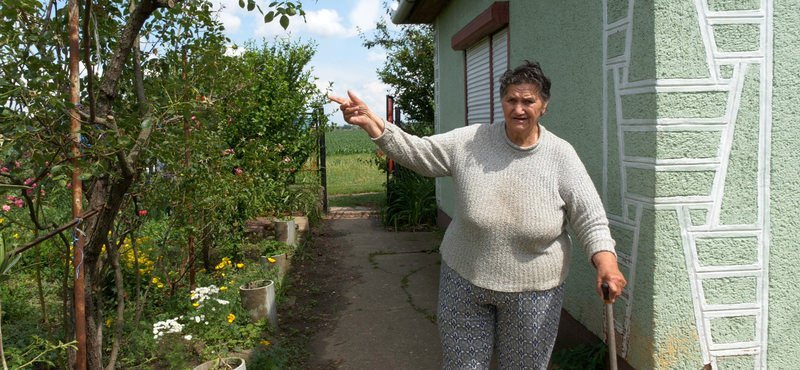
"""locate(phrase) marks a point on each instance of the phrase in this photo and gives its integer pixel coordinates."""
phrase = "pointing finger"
(354, 98)
(337, 99)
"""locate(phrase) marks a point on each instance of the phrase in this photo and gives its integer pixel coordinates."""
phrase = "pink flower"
(287, 160)
(69, 185)
(19, 203)
(193, 118)
(17, 164)
(238, 171)
(11, 198)
(28, 181)
(4, 169)
(142, 213)
(6, 208)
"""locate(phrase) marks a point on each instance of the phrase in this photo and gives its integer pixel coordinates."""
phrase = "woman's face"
(522, 107)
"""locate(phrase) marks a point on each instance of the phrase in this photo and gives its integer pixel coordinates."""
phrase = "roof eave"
(418, 11)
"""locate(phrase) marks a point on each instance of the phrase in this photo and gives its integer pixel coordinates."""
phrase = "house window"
(486, 61)
(485, 45)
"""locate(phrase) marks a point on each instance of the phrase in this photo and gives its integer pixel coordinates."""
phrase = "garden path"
(388, 317)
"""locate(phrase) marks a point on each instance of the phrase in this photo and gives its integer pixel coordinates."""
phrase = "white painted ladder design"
(727, 72)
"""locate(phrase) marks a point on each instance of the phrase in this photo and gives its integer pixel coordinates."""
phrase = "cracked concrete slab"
(386, 322)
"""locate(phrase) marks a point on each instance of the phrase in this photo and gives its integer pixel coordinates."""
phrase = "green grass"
(353, 174)
(359, 200)
(340, 142)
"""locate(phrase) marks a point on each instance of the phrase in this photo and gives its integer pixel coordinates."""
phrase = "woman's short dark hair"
(528, 73)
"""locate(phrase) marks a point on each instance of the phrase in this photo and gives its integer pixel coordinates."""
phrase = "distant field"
(353, 174)
(348, 142)
(350, 170)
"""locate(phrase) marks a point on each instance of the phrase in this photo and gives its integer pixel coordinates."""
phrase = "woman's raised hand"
(357, 113)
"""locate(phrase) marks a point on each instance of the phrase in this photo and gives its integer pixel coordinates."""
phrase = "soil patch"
(317, 278)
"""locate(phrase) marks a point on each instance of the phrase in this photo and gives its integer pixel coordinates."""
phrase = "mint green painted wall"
(737, 37)
(565, 37)
(680, 52)
(730, 290)
(672, 144)
(784, 209)
(740, 202)
(455, 16)
(721, 5)
(674, 331)
(674, 105)
(667, 45)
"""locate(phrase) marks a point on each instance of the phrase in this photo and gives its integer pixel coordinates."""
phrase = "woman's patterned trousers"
(472, 319)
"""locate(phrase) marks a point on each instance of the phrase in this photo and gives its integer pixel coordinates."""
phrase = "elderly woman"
(506, 253)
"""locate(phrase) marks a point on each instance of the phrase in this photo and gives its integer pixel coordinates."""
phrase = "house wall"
(784, 201)
(682, 111)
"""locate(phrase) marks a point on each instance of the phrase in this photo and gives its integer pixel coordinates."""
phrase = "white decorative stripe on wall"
(711, 228)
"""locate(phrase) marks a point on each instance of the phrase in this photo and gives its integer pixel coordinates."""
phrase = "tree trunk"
(113, 257)
(2, 353)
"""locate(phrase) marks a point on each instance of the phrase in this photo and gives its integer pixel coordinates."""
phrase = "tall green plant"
(410, 200)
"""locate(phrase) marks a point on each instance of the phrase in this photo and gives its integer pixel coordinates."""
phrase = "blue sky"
(333, 25)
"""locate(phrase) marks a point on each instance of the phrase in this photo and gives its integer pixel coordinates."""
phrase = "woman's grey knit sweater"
(508, 232)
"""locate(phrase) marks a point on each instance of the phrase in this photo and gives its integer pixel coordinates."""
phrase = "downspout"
(400, 14)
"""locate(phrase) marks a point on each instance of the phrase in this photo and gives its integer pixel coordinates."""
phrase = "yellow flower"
(202, 271)
(223, 274)
(221, 288)
(109, 232)
(195, 304)
(16, 235)
(108, 322)
(192, 295)
(271, 260)
(240, 265)
(231, 282)
(155, 280)
(231, 317)
(1, 220)
(266, 343)
(160, 285)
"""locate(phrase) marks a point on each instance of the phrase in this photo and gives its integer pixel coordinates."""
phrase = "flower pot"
(237, 363)
(258, 298)
(285, 232)
(280, 262)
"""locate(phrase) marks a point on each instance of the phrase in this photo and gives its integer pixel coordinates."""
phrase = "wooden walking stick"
(610, 330)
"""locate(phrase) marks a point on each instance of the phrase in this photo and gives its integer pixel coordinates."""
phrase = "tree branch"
(108, 89)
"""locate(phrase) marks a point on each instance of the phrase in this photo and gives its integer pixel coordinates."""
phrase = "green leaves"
(251, 4)
(284, 21)
(269, 17)
(6, 262)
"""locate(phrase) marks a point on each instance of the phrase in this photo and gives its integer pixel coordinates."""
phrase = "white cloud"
(326, 23)
(231, 52)
(376, 88)
(230, 21)
(365, 14)
(270, 29)
(376, 57)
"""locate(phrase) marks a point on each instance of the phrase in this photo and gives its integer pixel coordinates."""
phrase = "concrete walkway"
(389, 319)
